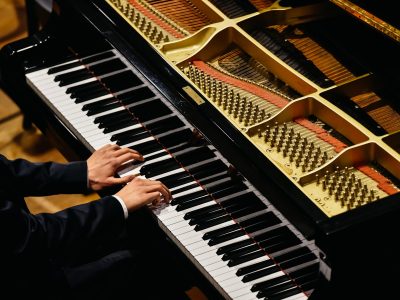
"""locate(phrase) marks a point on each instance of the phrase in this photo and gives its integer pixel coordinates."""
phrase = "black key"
(208, 216)
(262, 221)
(240, 252)
(203, 219)
(191, 200)
(221, 231)
(269, 283)
(64, 67)
(111, 121)
(128, 133)
(152, 156)
(186, 198)
(187, 205)
(269, 243)
(237, 245)
(239, 205)
(309, 285)
(133, 138)
(246, 258)
(112, 117)
(231, 233)
(255, 267)
(176, 138)
(99, 103)
(73, 77)
(194, 156)
(219, 177)
(258, 274)
(245, 199)
(213, 188)
(164, 125)
(311, 269)
(226, 237)
(120, 125)
(279, 245)
(160, 167)
(91, 94)
(249, 225)
(208, 169)
(243, 211)
(80, 88)
(212, 222)
(306, 279)
(150, 110)
(280, 291)
(136, 95)
(298, 261)
(97, 57)
(148, 147)
(227, 206)
(201, 211)
(184, 188)
(106, 67)
(225, 190)
(273, 234)
(178, 179)
(292, 254)
(232, 248)
(102, 108)
(121, 81)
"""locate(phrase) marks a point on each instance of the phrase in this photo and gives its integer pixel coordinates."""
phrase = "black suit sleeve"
(72, 229)
(24, 178)
(69, 230)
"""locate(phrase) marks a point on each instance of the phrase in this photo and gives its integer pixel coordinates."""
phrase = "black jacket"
(34, 248)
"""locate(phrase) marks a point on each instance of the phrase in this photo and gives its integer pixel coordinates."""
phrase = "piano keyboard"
(234, 236)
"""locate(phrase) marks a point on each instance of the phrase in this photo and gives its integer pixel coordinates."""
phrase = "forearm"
(34, 179)
(70, 230)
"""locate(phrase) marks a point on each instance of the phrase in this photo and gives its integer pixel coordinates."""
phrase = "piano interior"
(303, 102)
(278, 74)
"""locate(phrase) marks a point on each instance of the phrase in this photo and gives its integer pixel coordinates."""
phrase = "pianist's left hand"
(104, 163)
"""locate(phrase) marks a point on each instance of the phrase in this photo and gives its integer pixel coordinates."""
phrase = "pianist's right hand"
(139, 192)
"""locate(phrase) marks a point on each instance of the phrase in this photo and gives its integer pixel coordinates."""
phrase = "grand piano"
(275, 124)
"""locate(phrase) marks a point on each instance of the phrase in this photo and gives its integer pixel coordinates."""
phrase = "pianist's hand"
(140, 192)
(104, 163)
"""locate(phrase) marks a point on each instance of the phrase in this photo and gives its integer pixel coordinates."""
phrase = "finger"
(102, 149)
(117, 181)
(159, 186)
(110, 148)
(166, 193)
(156, 198)
(115, 146)
(139, 180)
(123, 153)
(163, 190)
(128, 179)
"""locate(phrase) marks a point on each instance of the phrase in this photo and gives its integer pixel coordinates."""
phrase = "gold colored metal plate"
(193, 95)
(335, 160)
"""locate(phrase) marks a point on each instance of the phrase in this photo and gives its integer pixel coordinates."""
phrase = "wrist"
(124, 208)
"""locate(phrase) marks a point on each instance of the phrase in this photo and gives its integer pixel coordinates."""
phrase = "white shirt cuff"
(123, 205)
